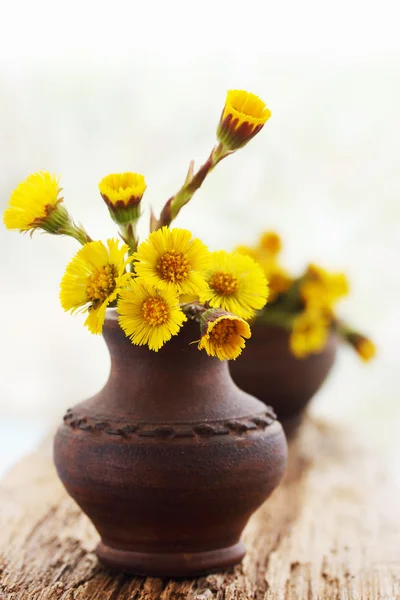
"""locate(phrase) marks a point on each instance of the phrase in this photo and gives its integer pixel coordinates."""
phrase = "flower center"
(155, 311)
(223, 331)
(101, 284)
(173, 266)
(224, 283)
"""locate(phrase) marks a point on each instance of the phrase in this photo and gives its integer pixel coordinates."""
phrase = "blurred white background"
(91, 88)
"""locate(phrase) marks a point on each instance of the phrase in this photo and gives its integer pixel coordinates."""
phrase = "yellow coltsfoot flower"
(222, 334)
(322, 289)
(279, 281)
(123, 192)
(93, 279)
(309, 333)
(35, 204)
(149, 316)
(171, 259)
(271, 242)
(236, 284)
(364, 347)
(265, 254)
(244, 115)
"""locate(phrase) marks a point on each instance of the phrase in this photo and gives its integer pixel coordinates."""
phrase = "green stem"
(77, 232)
(128, 234)
(290, 301)
(344, 330)
(192, 183)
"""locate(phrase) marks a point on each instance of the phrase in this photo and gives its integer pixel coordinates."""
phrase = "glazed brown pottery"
(268, 369)
(170, 459)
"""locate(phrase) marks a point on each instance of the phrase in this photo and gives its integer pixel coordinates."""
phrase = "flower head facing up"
(123, 192)
(236, 284)
(309, 333)
(148, 315)
(244, 115)
(93, 279)
(222, 334)
(35, 204)
(172, 259)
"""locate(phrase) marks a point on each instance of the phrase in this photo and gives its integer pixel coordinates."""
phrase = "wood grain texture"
(331, 531)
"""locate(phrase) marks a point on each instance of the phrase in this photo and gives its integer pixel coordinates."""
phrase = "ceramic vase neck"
(177, 383)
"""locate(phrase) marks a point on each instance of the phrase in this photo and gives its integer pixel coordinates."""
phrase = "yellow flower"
(93, 279)
(271, 242)
(35, 203)
(321, 289)
(243, 116)
(265, 254)
(309, 333)
(236, 284)
(222, 334)
(122, 192)
(364, 347)
(149, 316)
(279, 281)
(170, 259)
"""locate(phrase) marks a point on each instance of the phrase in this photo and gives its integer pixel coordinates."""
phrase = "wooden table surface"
(331, 531)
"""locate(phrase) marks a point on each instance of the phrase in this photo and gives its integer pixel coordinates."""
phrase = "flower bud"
(123, 192)
(243, 116)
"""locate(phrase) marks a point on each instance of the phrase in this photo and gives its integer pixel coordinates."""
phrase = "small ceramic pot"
(170, 459)
(268, 369)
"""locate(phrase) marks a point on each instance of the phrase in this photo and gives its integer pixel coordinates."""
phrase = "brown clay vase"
(170, 459)
(269, 370)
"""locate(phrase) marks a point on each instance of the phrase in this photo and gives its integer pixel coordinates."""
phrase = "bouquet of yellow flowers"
(304, 305)
(168, 278)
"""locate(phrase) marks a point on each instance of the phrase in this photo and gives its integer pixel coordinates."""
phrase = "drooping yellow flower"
(35, 204)
(243, 116)
(321, 289)
(236, 284)
(309, 333)
(364, 347)
(222, 334)
(93, 279)
(171, 259)
(149, 316)
(122, 192)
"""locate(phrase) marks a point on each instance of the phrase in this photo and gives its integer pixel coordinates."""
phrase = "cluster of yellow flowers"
(169, 278)
(305, 305)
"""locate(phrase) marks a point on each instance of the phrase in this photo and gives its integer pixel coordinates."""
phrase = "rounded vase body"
(269, 370)
(170, 459)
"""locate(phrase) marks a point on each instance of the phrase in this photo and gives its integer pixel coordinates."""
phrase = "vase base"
(170, 564)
